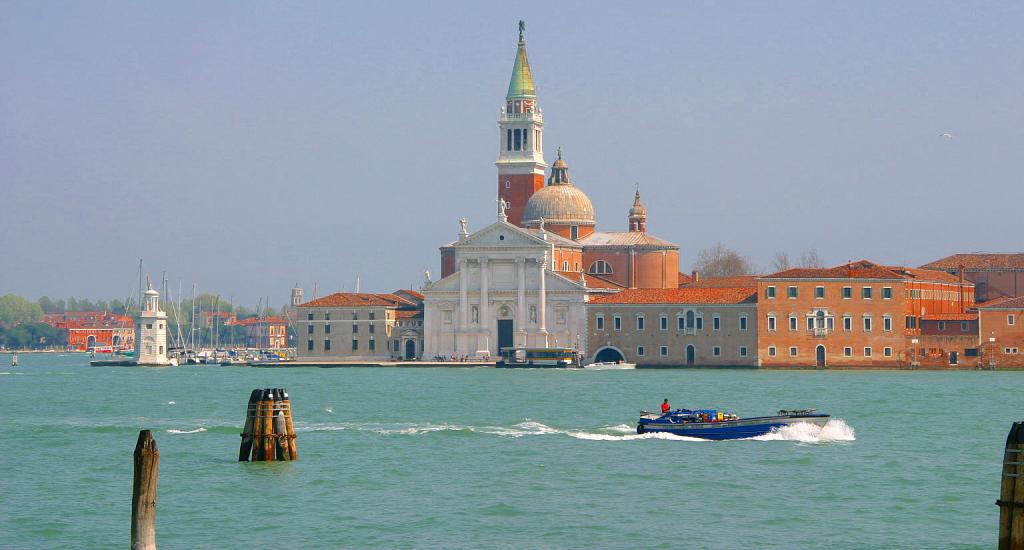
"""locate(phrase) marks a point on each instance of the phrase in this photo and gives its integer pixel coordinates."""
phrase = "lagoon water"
(487, 458)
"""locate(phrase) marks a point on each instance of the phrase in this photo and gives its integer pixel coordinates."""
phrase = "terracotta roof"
(592, 281)
(350, 299)
(992, 302)
(687, 295)
(739, 281)
(929, 275)
(1008, 303)
(412, 293)
(409, 314)
(854, 270)
(625, 238)
(684, 279)
(950, 317)
(979, 261)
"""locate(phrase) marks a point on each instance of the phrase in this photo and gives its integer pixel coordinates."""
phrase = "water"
(474, 458)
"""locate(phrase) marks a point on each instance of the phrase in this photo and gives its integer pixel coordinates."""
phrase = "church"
(524, 280)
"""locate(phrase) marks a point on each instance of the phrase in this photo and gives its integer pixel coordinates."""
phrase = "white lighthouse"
(151, 331)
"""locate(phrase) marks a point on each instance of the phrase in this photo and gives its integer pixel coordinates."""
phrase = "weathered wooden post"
(280, 427)
(1011, 491)
(147, 458)
(268, 423)
(250, 423)
(289, 426)
(269, 433)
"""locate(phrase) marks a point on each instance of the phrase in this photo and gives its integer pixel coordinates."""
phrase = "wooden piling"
(280, 427)
(289, 426)
(268, 425)
(270, 432)
(1011, 491)
(144, 482)
(250, 423)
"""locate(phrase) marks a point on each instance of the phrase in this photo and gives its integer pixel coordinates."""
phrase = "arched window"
(600, 267)
(565, 265)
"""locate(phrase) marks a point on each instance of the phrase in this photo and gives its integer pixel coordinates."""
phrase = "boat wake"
(195, 431)
(834, 430)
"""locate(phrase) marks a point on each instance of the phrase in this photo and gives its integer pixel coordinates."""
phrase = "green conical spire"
(521, 85)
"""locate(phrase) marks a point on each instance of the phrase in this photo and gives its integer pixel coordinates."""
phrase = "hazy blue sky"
(246, 146)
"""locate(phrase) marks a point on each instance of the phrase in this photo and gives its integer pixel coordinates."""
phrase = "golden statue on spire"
(522, 27)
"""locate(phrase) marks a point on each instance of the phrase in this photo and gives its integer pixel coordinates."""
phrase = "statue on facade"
(463, 227)
(541, 223)
(426, 278)
(502, 206)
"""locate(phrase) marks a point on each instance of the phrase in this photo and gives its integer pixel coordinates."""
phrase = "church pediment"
(502, 234)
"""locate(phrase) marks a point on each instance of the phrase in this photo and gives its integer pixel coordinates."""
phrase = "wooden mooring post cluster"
(269, 433)
(1011, 491)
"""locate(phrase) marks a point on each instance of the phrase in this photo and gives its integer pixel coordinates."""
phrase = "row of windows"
(355, 329)
(847, 351)
(822, 322)
(715, 351)
(819, 292)
(683, 322)
(371, 315)
(355, 345)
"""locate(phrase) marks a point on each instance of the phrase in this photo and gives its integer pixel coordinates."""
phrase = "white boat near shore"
(610, 365)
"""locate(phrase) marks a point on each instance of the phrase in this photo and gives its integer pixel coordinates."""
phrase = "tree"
(781, 261)
(810, 258)
(719, 261)
(15, 310)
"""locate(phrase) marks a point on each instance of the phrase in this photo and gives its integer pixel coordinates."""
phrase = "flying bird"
(947, 135)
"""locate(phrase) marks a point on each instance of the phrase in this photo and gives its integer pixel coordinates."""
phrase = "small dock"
(362, 364)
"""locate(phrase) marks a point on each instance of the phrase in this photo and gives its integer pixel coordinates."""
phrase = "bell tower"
(520, 162)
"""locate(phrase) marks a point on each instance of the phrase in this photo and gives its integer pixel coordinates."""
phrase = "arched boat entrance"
(609, 355)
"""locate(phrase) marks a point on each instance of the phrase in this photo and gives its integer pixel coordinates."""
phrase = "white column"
(542, 298)
(485, 324)
(521, 319)
(463, 302)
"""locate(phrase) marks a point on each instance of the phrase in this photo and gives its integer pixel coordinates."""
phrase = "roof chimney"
(695, 275)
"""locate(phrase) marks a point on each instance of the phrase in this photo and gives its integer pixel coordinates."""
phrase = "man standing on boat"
(665, 407)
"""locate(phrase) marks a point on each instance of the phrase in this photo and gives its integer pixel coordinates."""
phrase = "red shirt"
(665, 408)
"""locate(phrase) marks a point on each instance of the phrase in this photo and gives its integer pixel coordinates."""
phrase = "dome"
(560, 202)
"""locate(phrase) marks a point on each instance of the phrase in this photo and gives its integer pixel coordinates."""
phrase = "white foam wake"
(195, 431)
(834, 430)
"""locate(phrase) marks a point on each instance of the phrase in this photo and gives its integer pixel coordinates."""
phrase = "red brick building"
(994, 274)
(1001, 332)
(89, 330)
(859, 314)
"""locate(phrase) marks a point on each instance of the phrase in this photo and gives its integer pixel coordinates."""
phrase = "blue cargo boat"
(714, 424)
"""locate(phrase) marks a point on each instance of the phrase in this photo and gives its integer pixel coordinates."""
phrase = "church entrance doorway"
(505, 336)
(410, 350)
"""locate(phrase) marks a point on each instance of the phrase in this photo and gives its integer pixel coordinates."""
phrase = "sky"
(247, 146)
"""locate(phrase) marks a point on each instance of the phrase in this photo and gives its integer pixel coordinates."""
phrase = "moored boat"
(536, 358)
(718, 425)
(610, 365)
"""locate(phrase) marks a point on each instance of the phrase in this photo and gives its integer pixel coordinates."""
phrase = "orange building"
(859, 314)
(1001, 331)
(88, 330)
(265, 332)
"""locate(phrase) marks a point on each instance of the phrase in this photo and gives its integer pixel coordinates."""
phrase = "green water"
(486, 458)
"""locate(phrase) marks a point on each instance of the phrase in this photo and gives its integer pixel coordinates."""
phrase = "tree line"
(720, 261)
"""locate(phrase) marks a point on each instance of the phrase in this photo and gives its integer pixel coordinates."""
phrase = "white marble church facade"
(503, 294)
